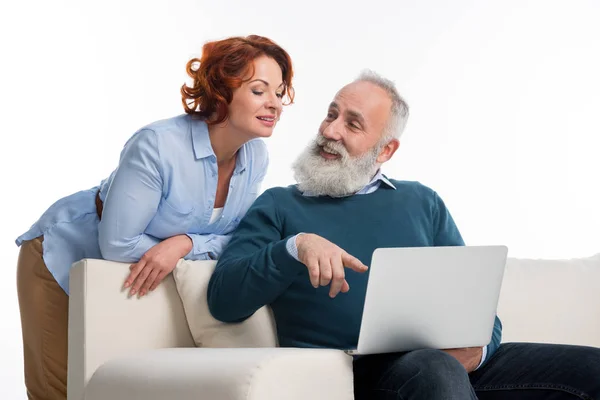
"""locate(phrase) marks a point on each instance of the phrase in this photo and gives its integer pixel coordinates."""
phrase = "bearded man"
(304, 251)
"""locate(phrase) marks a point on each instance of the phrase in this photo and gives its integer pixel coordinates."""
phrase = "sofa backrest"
(551, 301)
(548, 301)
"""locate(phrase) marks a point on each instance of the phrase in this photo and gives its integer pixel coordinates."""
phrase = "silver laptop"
(431, 298)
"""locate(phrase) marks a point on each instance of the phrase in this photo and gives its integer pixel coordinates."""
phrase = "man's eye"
(354, 126)
(330, 115)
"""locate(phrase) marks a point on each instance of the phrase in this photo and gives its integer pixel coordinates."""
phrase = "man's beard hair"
(339, 177)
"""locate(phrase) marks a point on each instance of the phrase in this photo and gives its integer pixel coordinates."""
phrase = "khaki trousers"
(44, 308)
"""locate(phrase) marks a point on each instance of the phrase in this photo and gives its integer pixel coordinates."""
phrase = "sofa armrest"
(104, 323)
(226, 374)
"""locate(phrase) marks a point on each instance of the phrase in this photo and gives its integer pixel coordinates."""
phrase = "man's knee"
(435, 365)
(592, 357)
(431, 372)
(587, 367)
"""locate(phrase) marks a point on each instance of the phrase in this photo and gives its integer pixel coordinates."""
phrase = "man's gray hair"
(399, 112)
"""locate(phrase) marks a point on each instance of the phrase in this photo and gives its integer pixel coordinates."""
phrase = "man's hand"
(326, 262)
(157, 263)
(469, 357)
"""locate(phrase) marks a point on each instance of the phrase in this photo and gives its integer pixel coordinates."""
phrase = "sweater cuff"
(483, 356)
(283, 260)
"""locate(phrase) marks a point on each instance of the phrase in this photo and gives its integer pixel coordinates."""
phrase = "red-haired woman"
(181, 187)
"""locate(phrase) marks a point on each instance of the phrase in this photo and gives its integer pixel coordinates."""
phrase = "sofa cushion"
(225, 374)
(191, 279)
(551, 301)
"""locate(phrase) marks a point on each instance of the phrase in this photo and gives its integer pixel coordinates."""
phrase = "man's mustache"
(331, 145)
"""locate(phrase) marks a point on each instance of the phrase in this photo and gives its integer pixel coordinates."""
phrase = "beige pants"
(44, 310)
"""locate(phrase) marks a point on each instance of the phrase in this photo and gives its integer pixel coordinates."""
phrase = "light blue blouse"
(164, 185)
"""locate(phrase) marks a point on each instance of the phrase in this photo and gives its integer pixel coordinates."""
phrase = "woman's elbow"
(116, 251)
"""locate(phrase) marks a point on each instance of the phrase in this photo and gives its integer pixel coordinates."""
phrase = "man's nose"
(332, 131)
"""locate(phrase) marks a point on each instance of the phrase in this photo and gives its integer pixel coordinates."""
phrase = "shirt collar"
(203, 148)
(200, 139)
(380, 177)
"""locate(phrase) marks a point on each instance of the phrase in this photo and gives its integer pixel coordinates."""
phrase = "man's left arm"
(446, 233)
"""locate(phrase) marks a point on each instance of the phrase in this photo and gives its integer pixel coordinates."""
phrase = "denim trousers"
(516, 371)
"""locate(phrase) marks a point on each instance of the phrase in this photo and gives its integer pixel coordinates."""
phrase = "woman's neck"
(225, 143)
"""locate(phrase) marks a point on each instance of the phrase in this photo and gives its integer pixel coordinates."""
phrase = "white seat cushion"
(225, 374)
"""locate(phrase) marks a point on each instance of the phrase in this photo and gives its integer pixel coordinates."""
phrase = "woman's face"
(256, 105)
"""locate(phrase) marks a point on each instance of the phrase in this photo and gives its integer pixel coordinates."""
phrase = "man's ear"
(388, 151)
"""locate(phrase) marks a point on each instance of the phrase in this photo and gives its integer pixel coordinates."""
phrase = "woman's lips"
(267, 122)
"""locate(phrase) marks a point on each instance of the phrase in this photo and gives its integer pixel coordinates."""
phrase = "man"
(304, 250)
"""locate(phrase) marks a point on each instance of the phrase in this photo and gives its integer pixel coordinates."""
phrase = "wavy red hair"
(224, 66)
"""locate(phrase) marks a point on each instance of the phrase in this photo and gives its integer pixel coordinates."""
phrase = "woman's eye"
(280, 95)
(257, 92)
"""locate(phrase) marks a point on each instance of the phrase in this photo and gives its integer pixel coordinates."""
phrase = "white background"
(504, 98)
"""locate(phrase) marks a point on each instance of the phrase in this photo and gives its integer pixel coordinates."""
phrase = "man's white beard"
(339, 177)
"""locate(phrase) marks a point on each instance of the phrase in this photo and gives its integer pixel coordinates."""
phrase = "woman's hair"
(224, 66)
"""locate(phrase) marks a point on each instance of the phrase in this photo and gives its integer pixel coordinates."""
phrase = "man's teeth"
(267, 119)
(329, 151)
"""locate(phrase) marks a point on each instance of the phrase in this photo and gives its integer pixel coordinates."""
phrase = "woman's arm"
(132, 201)
(207, 247)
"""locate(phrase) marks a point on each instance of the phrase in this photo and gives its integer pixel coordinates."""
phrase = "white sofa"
(128, 348)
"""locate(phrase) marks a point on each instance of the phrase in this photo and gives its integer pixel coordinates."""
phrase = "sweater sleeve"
(255, 267)
(132, 200)
(496, 338)
(445, 231)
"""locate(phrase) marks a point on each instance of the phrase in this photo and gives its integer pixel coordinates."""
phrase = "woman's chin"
(262, 133)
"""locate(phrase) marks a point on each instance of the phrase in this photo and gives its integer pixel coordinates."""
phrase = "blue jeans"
(516, 371)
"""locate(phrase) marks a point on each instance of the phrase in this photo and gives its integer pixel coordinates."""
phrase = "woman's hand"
(157, 263)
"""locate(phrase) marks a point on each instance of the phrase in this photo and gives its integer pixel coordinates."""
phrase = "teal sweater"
(256, 269)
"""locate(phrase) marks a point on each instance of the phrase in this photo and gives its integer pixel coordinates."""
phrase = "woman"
(180, 189)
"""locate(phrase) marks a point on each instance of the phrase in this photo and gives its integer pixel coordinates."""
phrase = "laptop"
(431, 298)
